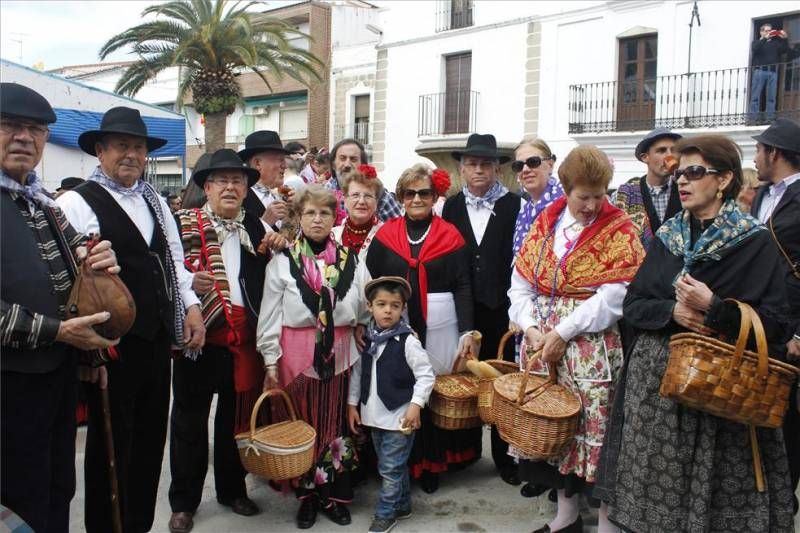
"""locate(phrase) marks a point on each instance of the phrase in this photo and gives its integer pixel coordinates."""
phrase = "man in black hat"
(117, 203)
(67, 184)
(38, 252)
(652, 199)
(229, 363)
(264, 152)
(347, 155)
(778, 207)
(485, 213)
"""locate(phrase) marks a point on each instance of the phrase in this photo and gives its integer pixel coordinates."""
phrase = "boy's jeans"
(393, 449)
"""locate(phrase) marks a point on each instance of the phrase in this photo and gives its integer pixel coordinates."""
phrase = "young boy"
(390, 383)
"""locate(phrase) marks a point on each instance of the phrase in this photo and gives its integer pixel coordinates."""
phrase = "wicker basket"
(486, 385)
(539, 421)
(454, 401)
(728, 381)
(279, 451)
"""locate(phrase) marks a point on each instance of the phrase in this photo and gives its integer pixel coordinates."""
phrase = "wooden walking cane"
(116, 516)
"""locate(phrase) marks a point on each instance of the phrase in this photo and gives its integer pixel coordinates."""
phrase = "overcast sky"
(68, 32)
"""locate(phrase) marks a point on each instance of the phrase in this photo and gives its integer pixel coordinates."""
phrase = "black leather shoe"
(510, 476)
(338, 513)
(553, 496)
(307, 514)
(429, 482)
(529, 490)
(243, 506)
(575, 527)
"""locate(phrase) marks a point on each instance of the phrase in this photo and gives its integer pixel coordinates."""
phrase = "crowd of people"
(351, 298)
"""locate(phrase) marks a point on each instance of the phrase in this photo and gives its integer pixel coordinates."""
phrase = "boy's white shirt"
(374, 413)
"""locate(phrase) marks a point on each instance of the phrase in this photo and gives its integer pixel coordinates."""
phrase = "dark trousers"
(138, 387)
(37, 438)
(193, 386)
(493, 323)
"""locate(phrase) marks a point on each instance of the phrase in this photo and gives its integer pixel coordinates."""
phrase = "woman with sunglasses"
(667, 467)
(566, 294)
(533, 165)
(361, 189)
(421, 247)
(313, 299)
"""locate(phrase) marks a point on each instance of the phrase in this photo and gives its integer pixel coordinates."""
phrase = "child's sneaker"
(402, 515)
(382, 525)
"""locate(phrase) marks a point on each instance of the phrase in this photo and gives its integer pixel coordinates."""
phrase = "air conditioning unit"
(259, 110)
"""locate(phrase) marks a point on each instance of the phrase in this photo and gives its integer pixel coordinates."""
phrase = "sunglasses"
(694, 172)
(532, 162)
(424, 194)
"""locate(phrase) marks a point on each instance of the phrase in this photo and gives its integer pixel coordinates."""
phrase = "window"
(453, 14)
(171, 182)
(788, 95)
(294, 123)
(361, 118)
(458, 73)
(638, 58)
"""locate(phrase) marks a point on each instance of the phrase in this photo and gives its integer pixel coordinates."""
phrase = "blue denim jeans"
(764, 77)
(392, 449)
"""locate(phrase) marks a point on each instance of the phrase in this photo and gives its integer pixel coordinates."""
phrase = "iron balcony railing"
(702, 99)
(447, 113)
(360, 131)
(453, 14)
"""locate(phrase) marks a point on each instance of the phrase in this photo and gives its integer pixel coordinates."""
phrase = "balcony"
(716, 98)
(453, 14)
(360, 131)
(447, 113)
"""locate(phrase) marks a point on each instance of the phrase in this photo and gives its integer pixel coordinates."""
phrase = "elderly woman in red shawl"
(432, 255)
(566, 293)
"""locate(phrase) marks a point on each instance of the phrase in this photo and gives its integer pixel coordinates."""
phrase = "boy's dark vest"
(143, 265)
(395, 379)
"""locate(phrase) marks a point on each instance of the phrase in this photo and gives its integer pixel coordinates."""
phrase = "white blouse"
(282, 305)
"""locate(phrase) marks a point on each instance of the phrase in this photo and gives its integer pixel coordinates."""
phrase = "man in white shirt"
(778, 206)
(116, 203)
(264, 151)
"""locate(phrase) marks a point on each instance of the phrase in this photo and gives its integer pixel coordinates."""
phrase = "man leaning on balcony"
(766, 55)
(652, 199)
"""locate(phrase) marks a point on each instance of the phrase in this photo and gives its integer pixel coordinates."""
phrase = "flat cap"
(19, 101)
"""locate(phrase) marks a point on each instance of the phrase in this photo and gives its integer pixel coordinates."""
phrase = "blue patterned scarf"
(531, 210)
(730, 227)
(32, 190)
(495, 192)
(378, 336)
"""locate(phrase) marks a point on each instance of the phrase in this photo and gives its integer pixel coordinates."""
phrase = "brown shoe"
(243, 506)
(181, 522)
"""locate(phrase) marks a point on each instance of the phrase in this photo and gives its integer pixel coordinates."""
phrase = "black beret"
(20, 101)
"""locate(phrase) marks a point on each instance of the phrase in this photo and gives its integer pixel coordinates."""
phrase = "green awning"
(277, 99)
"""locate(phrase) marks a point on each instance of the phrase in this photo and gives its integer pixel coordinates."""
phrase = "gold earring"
(719, 195)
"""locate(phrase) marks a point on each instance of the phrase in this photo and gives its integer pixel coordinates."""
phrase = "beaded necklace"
(414, 242)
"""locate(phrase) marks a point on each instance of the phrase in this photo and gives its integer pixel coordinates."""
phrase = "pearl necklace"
(413, 242)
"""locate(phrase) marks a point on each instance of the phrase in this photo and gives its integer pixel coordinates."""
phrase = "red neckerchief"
(442, 239)
(354, 241)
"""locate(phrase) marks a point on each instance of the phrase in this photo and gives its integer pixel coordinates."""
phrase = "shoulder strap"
(792, 266)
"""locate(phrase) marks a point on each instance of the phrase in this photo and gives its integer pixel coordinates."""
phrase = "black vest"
(253, 205)
(252, 270)
(395, 379)
(25, 280)
(491, 260)
(143, 265)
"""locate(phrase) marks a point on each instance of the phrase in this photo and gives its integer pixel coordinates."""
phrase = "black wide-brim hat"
(19, 101)
(121, 120)
(783, 134)
(261, 141)
(648, 140)
(481, 146)
(224, 159)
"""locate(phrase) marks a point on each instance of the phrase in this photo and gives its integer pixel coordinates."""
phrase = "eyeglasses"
(694, 172)
(356, 196)
(15, 128)
(225, 181)
(532, 162)
(312, 214)
(424, 194)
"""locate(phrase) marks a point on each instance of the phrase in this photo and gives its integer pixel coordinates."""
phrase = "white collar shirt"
(774, 195)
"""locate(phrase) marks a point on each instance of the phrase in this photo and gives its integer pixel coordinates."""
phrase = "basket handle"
(503, 340)
(750, 319)
(264, 395)
(532, 356)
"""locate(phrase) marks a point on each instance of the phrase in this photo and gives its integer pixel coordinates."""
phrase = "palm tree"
(211, 44)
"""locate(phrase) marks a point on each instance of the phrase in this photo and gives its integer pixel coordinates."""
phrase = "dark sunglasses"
(532, 162)
(694, 172)
(424, 194)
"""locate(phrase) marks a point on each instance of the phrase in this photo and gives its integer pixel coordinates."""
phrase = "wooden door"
(636, 95)
(789, 79)
(458, 71)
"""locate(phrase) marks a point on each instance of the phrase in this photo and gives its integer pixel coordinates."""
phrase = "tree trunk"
(215, 131)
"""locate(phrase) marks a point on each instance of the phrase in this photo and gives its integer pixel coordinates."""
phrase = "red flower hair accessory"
(368, 171)
(440, 179)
